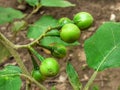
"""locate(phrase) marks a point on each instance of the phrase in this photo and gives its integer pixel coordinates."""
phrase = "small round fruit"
(59, 51)
(83, 20)
(64, 20)
(37, 75)
(49, 67)
(70, 33)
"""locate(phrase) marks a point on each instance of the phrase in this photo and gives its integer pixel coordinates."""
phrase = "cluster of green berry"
(70, 31)
(48, 68)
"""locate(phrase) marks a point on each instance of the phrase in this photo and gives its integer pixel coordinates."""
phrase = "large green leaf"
(4, 53)
(103, 48)
(9, 80)
(9, 14)
(33, 2)
(40, 26)
(10, 83)
(53, 39)
(56, 3)
(73, 77)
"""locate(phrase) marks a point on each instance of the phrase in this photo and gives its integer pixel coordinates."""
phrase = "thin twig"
(36, 40)
(33, 12)
(33, 80)
(27, 77)
(9, 45)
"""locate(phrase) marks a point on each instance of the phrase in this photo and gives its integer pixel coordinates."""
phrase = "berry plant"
(101, 49)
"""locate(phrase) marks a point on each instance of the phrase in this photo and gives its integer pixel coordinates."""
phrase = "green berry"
(70, 33)
(83, 20)
(64, 20)
(37, 75)
(59, 51)
(49, 67)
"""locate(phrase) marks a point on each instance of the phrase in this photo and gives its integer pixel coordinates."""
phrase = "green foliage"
(4, 53)
(54, 32)
(18, 25)
(34, 52)
(49, 3)
(9, 14)
(95, 87)
(56, 3)
(10, 69)
(53, 39)
(103, 48)
(53, 88)
(10, 83)
(40, 26)
(73, 77)
(33, 2)
(34, 62)
(9, 79)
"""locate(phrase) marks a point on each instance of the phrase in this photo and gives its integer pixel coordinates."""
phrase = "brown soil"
(102, 11)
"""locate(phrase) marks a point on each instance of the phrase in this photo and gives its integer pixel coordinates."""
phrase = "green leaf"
(103, 48)
(10, 83)
(18, 25)
(53, 33)
(9, 80)
(40, 26)
(33, 2)
(53, 88)
(53, 39)
(95, 87)
(73, 77)
(9, 14)
(4, 53)
(56, 3)
(10, 69)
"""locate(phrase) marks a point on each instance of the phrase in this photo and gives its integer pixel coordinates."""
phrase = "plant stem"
(33, 80)
(35, 64)
(41, 58)
(27, 77)
(34, 11)
(36, 40)
(14, 53)
(10, 47)
(47, 47)
(90, 80)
